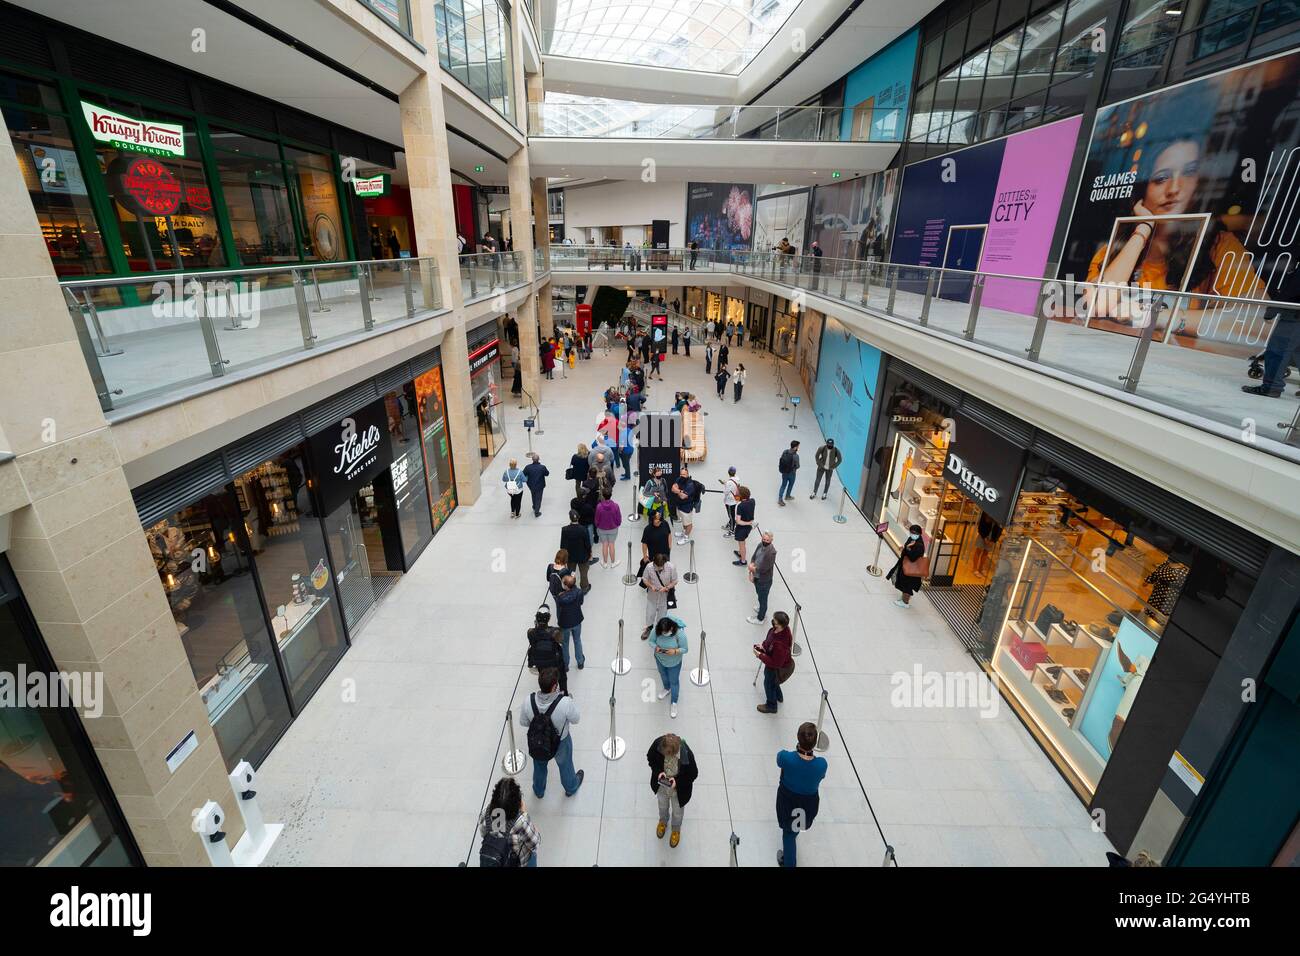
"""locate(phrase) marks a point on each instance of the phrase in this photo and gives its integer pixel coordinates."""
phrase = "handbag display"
(1047, 617)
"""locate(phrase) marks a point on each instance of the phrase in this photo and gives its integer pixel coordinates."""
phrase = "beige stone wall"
(80, 557)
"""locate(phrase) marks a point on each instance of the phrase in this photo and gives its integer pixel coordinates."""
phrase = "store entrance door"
(962, 255)
(364, 539)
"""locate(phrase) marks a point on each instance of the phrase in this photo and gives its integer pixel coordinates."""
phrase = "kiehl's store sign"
(139, 136)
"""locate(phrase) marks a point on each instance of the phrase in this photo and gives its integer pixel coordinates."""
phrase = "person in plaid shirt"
(507, 810)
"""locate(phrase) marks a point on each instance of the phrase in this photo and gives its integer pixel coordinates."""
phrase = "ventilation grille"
(263, 446)
(330, 411)
(169, 495)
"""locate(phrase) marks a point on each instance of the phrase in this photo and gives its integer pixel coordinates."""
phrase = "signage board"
(350, 453)
(372, 186)
(481, 358)
(582, 317)
(135, 135)
(985, 467)
(659, 333)
(152, 186)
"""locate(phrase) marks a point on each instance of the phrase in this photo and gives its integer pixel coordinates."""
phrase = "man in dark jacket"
(535, 477)
(788, 466)
(828, 458)
(671, 789)
(545, 647)
(576, 539)
(762, 565)
(568, 615)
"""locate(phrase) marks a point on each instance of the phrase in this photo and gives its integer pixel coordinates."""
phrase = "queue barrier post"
(615, 746)
(795, 648)
(629, 579)
(620, 665)
(889, 856)
(735, 842)
(823, 741)
(873, 568)
(690, 577)
(700, 675)
(844, 496)
(515, 759)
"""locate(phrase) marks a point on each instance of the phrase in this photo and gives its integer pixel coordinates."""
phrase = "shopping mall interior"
(884, 417)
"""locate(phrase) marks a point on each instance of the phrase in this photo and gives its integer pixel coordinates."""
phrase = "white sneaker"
(663, 694)
(901, 603)
(681, 539)
(753, 620)
(614, 564)
(672, 711)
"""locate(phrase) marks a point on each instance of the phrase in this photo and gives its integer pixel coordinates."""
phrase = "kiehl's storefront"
(274, 550)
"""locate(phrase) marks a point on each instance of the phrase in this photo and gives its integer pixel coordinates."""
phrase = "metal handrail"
(150, 277)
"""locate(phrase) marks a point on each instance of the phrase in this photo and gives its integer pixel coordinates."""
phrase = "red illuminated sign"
(583, 318)
(152, 186)
(198, 197)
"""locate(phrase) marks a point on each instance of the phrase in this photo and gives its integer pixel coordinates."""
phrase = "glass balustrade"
(614, 120)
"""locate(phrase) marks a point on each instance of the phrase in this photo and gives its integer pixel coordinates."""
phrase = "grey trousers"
(656, 607)
(667, 797)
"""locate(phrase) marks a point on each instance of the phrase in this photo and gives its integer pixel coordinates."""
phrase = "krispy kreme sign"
(126, 132)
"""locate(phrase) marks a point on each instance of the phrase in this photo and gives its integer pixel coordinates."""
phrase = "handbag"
(568, 473)
(1047, 617)
(919, 568)
(640, 573)
(783, 674)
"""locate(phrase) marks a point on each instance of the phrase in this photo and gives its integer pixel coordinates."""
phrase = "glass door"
(350, 551)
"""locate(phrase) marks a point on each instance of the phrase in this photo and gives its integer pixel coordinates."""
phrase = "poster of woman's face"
(1193, 188)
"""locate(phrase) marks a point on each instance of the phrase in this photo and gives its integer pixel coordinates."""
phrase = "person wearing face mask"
(911, 568)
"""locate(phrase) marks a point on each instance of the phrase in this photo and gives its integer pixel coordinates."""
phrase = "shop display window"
(257, 198)
(317, 206)
(410, 485)
(165, 211)
(432, 408)
(203, 561)
(52, 808)
(48, 163)
(284, 533)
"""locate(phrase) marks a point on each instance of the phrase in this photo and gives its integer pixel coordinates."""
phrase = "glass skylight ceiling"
(713, 36)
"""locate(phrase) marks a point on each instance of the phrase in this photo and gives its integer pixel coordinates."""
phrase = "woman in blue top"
(796, 795)
(669, 644)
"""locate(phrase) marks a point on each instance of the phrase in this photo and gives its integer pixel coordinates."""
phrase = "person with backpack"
(673, 771)
(512, 479)
(568, 615)
(797, 800)
(509, 837)
(547, 714)
(545, 647)
(788, 466)
(775, 654)
(555, 574)
(686, 492)
(828, 458)
(669, 645)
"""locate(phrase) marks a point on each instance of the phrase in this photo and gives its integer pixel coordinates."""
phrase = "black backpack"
(543, 738)
(497, 850)
(786, 463)
(545, 653)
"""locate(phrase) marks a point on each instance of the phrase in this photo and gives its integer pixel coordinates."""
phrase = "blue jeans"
(761, 588)
(671, 678)
(564, 760)
(532, 860)
(772, 688)
(1283, 348)
(625, 459)
(574, 632)
(787, 486)
(787, 846)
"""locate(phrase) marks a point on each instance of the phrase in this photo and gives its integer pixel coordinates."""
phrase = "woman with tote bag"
(912, 568)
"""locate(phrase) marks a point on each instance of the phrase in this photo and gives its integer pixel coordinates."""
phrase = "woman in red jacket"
(775, 653)
(548, 359)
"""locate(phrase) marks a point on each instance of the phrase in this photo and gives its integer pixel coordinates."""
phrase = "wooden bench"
(606, 257)
(662, 259)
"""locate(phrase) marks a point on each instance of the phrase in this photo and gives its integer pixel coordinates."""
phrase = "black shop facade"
(275, 550)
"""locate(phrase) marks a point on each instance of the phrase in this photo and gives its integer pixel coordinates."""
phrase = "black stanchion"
(620, 665)
(690, 577)
(630, 578)
(700, 675)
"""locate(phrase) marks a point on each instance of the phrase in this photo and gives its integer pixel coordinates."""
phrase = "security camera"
(207, 822)
(242, 778)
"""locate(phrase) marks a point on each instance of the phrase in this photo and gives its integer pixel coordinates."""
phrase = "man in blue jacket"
(535, 477)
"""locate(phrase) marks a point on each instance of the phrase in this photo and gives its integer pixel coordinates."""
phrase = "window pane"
(930, 60)
(257, 198)
(164, 208)
(1077, 54)
(285, 533)
(1068, 98)
(1277, 27)
(1011, 13)
(993, 123)
(51, 811)
(981, 26)
(954, 39)
(1038, 51)
(921, 112)
(410, 487)
(322, 233)
(1004, 56)
(1150, 23)
(201, 554)
(1026, 112)
(57, 188)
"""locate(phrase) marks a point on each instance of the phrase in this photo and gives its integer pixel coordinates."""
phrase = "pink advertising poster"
(1025, 206)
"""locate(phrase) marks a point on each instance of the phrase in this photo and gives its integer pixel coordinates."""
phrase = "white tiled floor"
(399, 776)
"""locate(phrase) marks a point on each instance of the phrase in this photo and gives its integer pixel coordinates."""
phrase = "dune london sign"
(136, 135)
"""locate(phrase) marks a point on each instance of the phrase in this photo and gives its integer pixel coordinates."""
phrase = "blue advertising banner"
(847, 372)
(876, 93)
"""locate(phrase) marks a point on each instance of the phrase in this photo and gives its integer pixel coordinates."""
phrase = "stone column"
(82, 560)
(424, 136)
